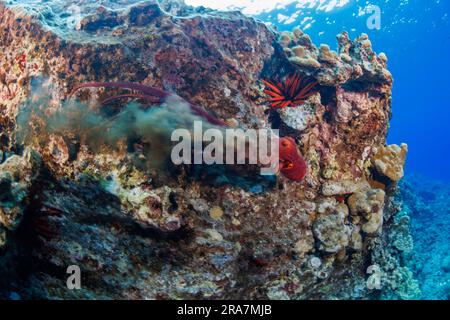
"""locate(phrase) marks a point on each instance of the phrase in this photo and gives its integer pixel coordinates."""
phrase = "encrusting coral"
(390, 160)
(368, 205)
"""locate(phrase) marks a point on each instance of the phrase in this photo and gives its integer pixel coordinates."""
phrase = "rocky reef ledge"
(170, 234)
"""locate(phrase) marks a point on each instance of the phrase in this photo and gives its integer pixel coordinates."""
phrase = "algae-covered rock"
(298, 118)
(108, 199)
(17, 175)
(305, 244)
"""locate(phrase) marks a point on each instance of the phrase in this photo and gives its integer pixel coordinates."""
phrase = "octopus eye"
(285, 144)
(289, 165)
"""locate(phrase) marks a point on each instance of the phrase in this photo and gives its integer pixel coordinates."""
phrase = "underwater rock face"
(17, 175)
(140, 233)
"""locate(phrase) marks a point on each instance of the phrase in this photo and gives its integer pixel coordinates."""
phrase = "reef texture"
(178, 233)
(427, 203)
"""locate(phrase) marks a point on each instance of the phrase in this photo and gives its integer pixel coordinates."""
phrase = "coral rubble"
(169, 232)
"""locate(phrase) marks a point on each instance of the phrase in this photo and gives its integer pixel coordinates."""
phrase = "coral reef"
(368, 206)
(17, 175)
(426, 210)
(171, 232)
